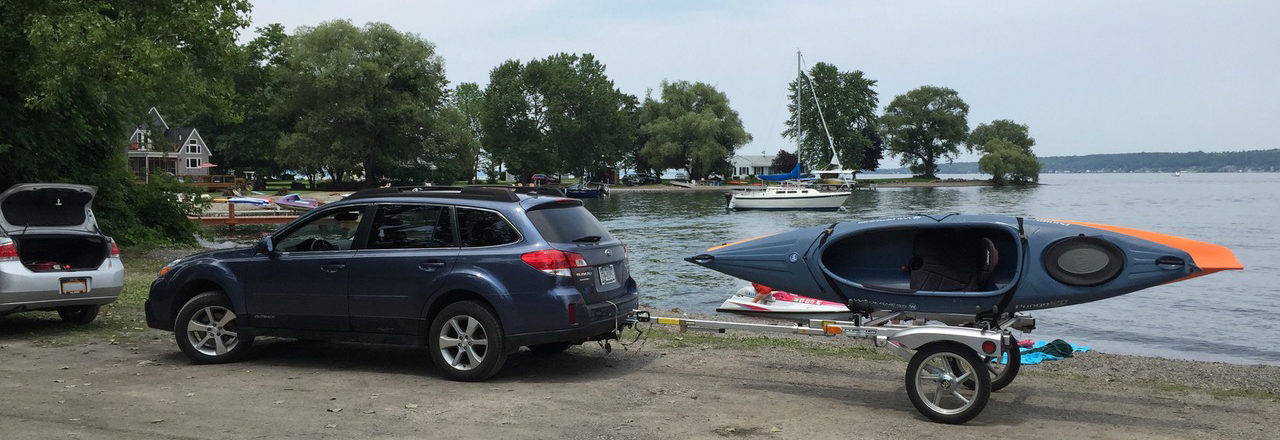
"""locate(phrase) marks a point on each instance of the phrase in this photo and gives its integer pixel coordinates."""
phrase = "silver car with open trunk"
(52, 255)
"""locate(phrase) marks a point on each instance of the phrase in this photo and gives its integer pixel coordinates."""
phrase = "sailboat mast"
(835, 157)
(799, 132)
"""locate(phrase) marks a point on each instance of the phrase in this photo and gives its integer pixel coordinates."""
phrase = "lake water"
(1227, 316)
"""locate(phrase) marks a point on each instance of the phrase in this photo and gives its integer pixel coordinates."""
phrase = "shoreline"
(860, 184)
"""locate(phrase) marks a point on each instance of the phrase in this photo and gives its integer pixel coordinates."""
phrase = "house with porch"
(180, 151)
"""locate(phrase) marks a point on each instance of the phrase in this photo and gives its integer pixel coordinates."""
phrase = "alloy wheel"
(463, 342)
(212, 331)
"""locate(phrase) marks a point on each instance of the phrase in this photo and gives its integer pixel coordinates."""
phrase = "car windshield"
(568, 224)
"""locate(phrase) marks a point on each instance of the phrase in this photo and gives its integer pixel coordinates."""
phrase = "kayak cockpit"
(946, 260)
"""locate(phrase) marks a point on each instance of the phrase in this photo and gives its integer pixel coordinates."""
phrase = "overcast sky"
(1087, 76)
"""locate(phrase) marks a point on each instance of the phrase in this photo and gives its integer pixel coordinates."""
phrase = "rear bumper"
(22, 289)
(604, 319)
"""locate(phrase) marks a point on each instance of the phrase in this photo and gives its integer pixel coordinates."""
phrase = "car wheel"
(79, 314)
(208, 331)
(550, 348)
(466, 343)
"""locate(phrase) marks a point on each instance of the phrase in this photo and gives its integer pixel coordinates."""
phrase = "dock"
(247, 217)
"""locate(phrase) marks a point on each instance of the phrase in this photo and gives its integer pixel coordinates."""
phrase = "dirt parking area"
(675, 386)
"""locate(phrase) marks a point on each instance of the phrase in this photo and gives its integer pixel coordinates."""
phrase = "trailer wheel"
(935, 382)
(1002, 374)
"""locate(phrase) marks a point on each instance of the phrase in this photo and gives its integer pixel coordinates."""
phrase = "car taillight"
(554, 262)
(8, 252)
(115, 250)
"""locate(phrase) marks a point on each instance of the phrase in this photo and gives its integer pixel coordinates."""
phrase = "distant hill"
(1231, 161)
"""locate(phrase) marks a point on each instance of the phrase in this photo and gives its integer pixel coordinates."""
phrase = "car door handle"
(333, 267)
(431, 265)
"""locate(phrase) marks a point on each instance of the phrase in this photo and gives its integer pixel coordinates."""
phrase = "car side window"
(333, 231)
(411, 227)
(485, 228)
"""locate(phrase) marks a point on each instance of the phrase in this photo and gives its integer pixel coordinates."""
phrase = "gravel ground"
(673, 386)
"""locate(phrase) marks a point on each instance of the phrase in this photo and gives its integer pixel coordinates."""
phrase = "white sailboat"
(793, 196)
(787, 198)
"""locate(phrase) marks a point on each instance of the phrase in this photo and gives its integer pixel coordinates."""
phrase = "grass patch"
(121, 322)
(898, 180)
(700, 339)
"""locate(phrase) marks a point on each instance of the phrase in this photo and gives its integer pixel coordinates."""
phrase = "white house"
(752, 164)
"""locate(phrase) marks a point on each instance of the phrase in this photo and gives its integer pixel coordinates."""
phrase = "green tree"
(510, 131)
(360, 99)
(76, 75)
(247, 140)
(924, 125)
(468, 100)
(784, 161)
(451, 147)
(1008, 162)
(848, 103)
(557, 114)
(691, 127)
(1003, 129)
(581, 113)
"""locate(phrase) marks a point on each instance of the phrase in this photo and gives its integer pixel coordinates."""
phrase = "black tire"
(79, 314)
(210, 337)
(457, 362)
(550, 348)
(1002, 377)
(1011, 368)
(945, 358)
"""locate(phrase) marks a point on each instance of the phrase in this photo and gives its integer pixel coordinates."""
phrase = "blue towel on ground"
(1035, 358)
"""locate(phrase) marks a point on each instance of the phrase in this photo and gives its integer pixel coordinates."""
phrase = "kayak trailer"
(955, 361)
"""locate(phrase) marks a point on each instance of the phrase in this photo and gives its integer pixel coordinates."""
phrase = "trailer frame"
(950, 355)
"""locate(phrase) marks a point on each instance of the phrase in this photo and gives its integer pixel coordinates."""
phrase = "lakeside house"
(179, 151)
(746, 165)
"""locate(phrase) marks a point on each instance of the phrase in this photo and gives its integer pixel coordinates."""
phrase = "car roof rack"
(495, 193)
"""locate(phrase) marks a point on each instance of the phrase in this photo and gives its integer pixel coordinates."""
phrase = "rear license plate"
(75, 285)
(607, 275)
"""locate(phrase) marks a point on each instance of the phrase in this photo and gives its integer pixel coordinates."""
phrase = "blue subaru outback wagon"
(472, 273)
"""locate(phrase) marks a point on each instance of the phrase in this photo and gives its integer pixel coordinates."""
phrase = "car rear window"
(565, 224)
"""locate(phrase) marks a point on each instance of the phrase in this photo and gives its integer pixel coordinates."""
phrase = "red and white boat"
(783, 305)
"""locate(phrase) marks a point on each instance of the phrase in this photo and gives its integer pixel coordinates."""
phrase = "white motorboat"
(788, 198)
(783, 305)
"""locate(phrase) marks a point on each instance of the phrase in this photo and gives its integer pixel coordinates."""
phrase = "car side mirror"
(266, 246)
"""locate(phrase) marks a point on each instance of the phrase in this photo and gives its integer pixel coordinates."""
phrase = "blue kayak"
(965, 263)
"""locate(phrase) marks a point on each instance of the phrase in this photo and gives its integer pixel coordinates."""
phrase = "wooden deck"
(214, 181)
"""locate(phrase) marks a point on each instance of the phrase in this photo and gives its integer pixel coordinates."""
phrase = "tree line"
(371, 105)
(368, 105)
(922, 127)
